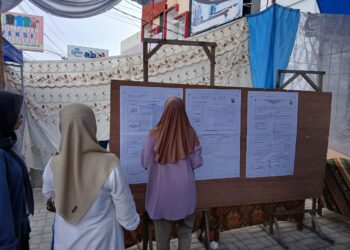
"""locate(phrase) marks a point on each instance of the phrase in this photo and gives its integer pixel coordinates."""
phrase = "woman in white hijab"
(91, 195)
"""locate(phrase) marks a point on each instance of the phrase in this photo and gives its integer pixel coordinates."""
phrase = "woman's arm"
(148, 155)
(197, 159)
(125, 209)
(48, 189)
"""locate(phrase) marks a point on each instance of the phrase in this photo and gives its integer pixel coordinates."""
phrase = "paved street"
(333, 225)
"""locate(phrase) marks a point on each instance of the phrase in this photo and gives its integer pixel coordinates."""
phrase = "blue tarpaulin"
(272, 35)
(334, 6)
(11, 53)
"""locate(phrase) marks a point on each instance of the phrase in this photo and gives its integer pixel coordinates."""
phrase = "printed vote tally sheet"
(271, 133)
(215, 114)
(140, 110)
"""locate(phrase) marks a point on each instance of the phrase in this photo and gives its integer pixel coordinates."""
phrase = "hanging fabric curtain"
(323, 44)
(75, 8)
(6, 5)
(272, 36)
(66, 8)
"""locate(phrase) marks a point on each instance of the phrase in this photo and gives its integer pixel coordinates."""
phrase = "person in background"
(16, 194)
(93, 201)
(170, 154)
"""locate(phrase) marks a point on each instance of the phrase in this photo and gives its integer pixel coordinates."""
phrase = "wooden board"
(310, 159)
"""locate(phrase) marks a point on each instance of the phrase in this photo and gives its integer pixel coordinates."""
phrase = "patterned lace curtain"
(50, 85)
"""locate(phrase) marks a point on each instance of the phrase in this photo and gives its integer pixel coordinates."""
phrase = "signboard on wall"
(23, 31)
(79, 52)
(210, 13)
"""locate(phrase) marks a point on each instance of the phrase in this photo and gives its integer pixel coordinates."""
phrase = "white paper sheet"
(140, 110)
(216, 116)
(271, 135)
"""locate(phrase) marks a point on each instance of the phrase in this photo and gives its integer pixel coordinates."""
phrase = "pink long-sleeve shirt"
(171, 188)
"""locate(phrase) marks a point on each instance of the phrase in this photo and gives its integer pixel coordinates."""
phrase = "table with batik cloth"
(227, 218)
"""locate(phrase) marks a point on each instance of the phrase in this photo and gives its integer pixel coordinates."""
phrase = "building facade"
(180, 19)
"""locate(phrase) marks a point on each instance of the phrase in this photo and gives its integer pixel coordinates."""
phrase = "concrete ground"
(335, 226)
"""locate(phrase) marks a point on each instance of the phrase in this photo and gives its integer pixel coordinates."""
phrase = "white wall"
(131, 44)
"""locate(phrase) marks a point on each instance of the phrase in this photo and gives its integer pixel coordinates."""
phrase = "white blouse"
(101, 226)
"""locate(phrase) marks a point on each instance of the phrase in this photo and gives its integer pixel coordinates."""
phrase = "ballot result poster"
(140, 110)
(271, 133)
(215, 114)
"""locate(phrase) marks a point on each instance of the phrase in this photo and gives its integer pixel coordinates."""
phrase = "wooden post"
(212, 66)
(2, 73)
(320, 81)
(145, 62)
(278, 79)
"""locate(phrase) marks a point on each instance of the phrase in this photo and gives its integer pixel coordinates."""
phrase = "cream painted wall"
(171, 3)
(156, 21)
(184, 5)
(130, 42)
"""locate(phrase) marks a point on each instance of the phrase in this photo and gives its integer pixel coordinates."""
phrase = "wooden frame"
(302, 73)
(160, 42)
(311, 149)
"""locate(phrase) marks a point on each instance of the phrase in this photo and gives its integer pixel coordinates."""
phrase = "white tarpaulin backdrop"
(6, 5)
(65, 8)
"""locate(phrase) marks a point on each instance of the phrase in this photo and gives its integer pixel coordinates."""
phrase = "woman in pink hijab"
(171, 153)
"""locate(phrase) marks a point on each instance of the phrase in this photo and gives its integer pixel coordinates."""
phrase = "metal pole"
(207, 239)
